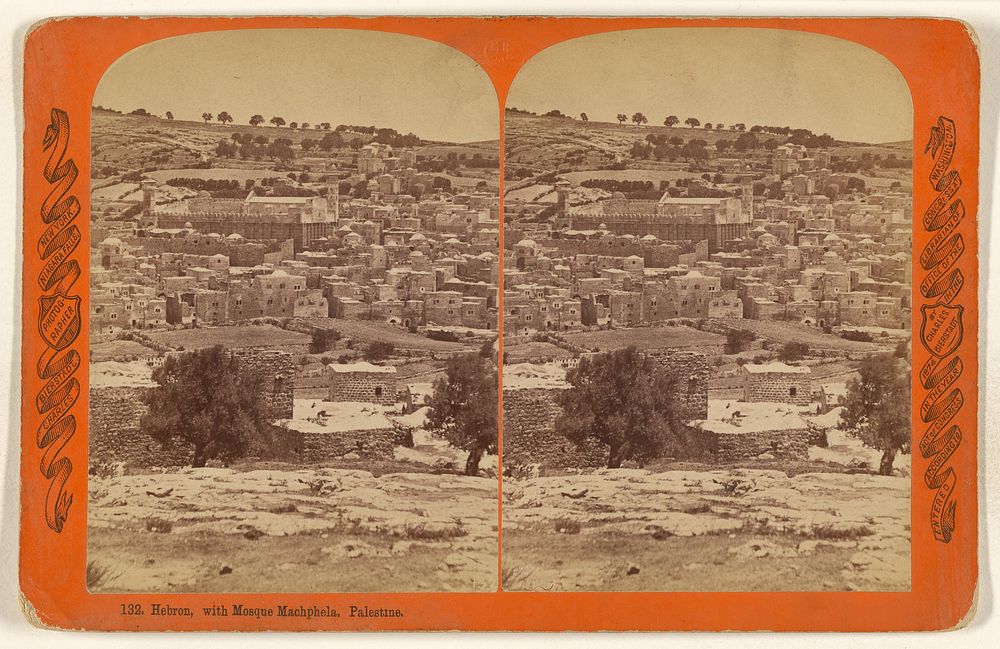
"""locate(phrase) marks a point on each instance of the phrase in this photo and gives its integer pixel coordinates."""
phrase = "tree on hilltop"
(584, 118)
(670, 121)
(256, 120)
(693, 122)
(463, 407)
(877, 407)
(639, 119)
(224, 117)
(278, 121)
(293, 125)
(708, 126)
(720, 126)
(623, 400)
(206, 117)
(170, 115)
(622, 118)
(206, 399)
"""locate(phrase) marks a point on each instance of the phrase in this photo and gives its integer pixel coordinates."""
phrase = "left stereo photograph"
(294, 241)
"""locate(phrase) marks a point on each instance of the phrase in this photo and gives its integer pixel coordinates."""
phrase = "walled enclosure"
(529, 435)
(789, 444)
(115, 414)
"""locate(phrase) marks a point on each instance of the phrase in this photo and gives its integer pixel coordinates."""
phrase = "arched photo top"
(338, 76)
(728, 75)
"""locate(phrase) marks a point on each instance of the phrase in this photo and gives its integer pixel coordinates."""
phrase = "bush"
(98, 575)
(793, 351)
(159, 526)
(425, 532)
(379, 351)
(323, 340)
(857, 336)
(738, 340)
(445, 336)
(567, 526)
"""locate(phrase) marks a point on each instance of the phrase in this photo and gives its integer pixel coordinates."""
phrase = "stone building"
(777, 382)
(362, 382)
(304, 219)
(716, 220)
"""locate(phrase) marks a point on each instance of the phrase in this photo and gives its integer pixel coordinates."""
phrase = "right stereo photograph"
(706, 315)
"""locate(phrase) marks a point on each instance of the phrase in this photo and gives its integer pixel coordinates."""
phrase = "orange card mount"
(334, 360)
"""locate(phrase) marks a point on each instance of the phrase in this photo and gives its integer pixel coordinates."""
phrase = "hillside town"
(342, 271)
(766, 235)
(732, 284)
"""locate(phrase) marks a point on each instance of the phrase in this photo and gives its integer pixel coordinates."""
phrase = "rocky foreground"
(858, 522)
(189, 529)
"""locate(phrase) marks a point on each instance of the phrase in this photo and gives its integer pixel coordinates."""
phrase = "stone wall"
(690, 370)
(529, 435)
(276, 370)
(364, 387)
(114, 434)
(791, 444)
(371, 444)
(793, 388)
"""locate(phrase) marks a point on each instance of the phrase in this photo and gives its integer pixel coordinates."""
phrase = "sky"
(729, 75)
(339, 76)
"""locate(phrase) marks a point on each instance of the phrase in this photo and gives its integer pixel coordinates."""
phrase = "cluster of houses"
(805, 257)
(387, 257)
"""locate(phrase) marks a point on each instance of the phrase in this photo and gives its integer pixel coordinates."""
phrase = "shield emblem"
(941, 331)
(59, 319)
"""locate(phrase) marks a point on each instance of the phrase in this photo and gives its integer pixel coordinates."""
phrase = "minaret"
(562, 194)
(333, 202)
(747, 200)
(148, 217)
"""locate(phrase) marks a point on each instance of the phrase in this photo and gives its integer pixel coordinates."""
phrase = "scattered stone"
(354, 550)
(225, 569)
(631, 569)
(761, 549)
(576, 493)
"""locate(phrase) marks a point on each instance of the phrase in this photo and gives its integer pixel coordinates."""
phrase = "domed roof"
(188, 226)
(527, 243)
(618, 196)
(235, 236)
(112, 241)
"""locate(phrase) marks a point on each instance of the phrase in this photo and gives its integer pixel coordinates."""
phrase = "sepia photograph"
(293, 308)
(706, 315)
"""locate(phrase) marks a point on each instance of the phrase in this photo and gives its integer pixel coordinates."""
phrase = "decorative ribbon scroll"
(58, 320)
(941, 331)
